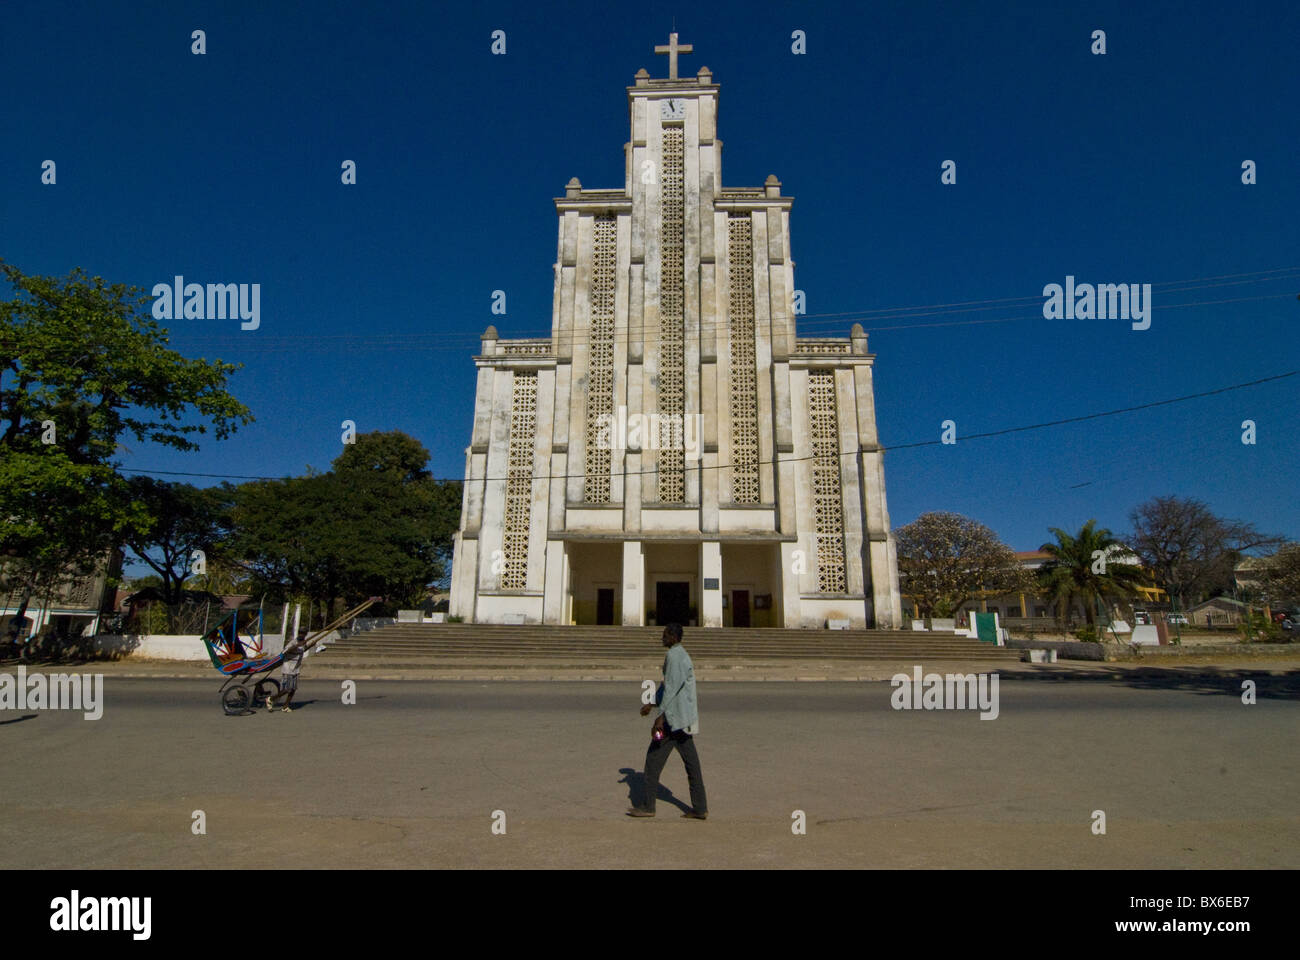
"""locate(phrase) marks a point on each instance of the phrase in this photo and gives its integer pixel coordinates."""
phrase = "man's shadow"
(299, 704)
(635, 781)
(261, 707)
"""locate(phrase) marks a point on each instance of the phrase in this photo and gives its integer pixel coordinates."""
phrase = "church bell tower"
(672, 452)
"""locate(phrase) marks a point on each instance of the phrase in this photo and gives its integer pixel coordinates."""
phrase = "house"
(1220, 611)
(70, 608)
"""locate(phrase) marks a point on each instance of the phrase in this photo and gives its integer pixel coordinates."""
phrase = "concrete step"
(488, 628)
(643, 634)
(702, 640)
(698, 651)
(421, 644)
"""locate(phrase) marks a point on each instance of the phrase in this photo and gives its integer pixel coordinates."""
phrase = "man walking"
(675, 726)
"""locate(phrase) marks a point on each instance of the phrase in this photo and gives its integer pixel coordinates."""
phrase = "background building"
(70, 608)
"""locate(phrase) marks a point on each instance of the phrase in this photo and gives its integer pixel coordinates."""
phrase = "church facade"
(674, 451)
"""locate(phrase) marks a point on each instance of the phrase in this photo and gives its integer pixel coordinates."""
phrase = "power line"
(884, 448)
(1108, 413)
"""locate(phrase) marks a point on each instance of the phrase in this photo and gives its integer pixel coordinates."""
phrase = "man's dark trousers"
(657, 756)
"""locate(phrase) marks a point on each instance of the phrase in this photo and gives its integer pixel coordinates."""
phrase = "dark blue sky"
(1117, 168)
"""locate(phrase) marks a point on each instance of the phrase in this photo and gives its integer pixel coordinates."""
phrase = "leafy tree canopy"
(946, 559)
(181, 519)
(83, 365)
(377, 524)
(1087, 566)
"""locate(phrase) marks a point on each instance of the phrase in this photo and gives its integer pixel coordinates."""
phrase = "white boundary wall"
(153, 647)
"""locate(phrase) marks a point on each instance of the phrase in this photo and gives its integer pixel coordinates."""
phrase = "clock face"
(672, 109)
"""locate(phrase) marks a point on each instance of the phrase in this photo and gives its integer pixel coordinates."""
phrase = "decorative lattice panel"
(79, 592)
(672, 387)
(744, 391)
(519, 482)
(600, 375)
(828, 511)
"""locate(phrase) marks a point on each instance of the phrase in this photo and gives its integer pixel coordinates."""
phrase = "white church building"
(674, 451)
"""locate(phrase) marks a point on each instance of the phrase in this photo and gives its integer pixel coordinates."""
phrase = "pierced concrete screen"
(744, 393)
(600, 374)
(519, 482)
(672, 392)
(828, 511)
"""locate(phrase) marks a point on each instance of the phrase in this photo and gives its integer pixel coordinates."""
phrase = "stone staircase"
(446, 644)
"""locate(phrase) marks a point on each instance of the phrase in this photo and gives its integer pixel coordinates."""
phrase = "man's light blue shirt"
(676, 695)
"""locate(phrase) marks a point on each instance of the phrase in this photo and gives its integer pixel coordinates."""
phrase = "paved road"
(409, 776)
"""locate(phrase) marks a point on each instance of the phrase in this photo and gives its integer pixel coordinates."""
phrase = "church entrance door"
(672, 602)
(740, 608)
(605, 607)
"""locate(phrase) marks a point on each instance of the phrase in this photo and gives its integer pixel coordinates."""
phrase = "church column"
(710, 569)
(553, 596)
(578, 316)
(633, 584)
(762, 307)
(706, 461)
(496, 467)
(692, 209)
(464, 579)
(635, 482)
(566, 592)
(891, 570)
(623, 292)
(883, 573)
(883, 576)
(790, 582)
(854, 487)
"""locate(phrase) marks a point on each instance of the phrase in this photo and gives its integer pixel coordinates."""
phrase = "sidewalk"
(521, 669)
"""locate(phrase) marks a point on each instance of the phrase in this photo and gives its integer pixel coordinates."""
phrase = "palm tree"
(1081, 567)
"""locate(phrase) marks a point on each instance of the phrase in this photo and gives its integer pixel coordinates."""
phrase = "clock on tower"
(674, 109)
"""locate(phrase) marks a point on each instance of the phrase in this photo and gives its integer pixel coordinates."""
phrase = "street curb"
(854, 673)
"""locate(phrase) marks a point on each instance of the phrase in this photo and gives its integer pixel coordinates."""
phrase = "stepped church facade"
(674, 451)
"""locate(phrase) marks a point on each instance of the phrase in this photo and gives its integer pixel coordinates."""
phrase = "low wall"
(169, 647)
(1065, 649)
(1198, 649)
(151, 646)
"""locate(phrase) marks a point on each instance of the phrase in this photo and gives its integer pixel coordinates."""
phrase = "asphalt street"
(412, 773)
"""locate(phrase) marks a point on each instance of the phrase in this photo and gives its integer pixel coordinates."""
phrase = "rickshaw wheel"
(235, 700)
(266, 689)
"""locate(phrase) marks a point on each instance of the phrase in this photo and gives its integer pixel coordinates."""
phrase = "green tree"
(408, 518)
(284, 536)
(223, 576)
(181, 519)
(945, 560)
(1087, 566)
(82, 365)
(377, 524)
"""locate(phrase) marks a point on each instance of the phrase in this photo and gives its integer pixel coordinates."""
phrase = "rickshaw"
(244, 662)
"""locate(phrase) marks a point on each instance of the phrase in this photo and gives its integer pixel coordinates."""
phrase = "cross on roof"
(672, 49)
